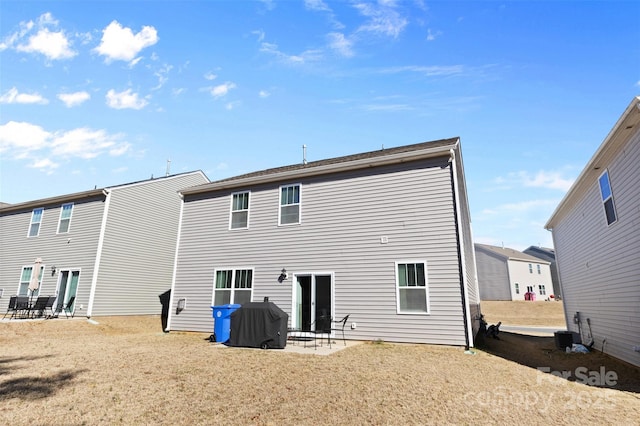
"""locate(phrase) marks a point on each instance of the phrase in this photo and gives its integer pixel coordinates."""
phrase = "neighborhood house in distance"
(596, 235)
(548, 254)
(107, 251)
(508, 274)
(382, 236)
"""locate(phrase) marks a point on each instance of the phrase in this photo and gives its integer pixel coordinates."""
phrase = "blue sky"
(105, 92)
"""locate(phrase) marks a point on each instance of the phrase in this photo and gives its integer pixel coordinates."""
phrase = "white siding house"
(113, 248)
(383, 236)
(508, 274)
(596, 234)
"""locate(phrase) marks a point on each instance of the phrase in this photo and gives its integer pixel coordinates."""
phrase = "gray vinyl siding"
(493, 276)
(138, 252)
(73, 250)
(600, 265)
(343, 218)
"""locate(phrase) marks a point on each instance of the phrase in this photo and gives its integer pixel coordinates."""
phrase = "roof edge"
(325, 168)
(618, 127)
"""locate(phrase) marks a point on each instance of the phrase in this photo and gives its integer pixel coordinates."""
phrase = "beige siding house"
(508, 274)
(383, 236)
(596, 234)
(112, 249)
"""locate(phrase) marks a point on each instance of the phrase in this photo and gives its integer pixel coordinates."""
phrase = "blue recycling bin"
(222, 321)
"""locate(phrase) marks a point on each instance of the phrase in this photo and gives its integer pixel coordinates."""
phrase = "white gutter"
(175, 265)
(96, 265)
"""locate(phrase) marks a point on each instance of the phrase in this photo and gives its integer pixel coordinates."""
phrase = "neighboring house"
(113, 248)
(548, 254)
(596, 235)
(508, 274)
(383, 236)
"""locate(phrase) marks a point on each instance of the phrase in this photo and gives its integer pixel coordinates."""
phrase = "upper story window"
(539, 270)
(25, 280)
(240, 210)
(530, 268)
(411, 287)
(289, 204)
(65, 218)
(232, 286)
(517, 288)
(36, 220)
(607, 198)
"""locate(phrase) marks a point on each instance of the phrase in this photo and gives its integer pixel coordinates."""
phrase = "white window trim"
(233, 270)
(31, 222)
(426, 286)
(231, 211)
(299, 204)
(42, 267)
(60, 218)
(603, 200)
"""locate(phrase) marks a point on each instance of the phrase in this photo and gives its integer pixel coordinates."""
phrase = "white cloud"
(44, 149)
(74, 99)
(264, 94)
(317, 5)
(210, 76)
(222, 89)
(542, 179)
(119, 43)
(521, 207)
(431, 36)
(53, 45)
(260, 35)
(12, 96)
(47, 40)
(429, 71)
(342, 45)
(125, 100)
(232, 105)
(162, 75)
(382, 18)
(87, 143)
(18, 138)
(306, 56)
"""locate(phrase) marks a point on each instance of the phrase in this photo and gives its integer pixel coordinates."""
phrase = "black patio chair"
(49, 306)
(68, 308)
(22, 307)
(37, 310)
(338, 325)
(13, 300)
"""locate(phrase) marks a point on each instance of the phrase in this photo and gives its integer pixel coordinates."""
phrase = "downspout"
(466, 318)
(175, 263)
(96, 266)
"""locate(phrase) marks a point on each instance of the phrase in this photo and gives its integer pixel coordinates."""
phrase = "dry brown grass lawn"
(524, 313)
(125, 371)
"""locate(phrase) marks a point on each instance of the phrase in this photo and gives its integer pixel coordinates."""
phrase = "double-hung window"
(65, 218)
(530, 268)
(36, 220)
(542, 290)
(289, 204)
(607, 198)
(240, 210)
(233, 286)
(517, 288)
(25, 280)
(539, 270)
(411, 287)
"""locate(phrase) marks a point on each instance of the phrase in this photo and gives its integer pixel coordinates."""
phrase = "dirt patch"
(518, 312)
(126, 371)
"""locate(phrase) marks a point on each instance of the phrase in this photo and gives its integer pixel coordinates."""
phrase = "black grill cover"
(259, 325)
